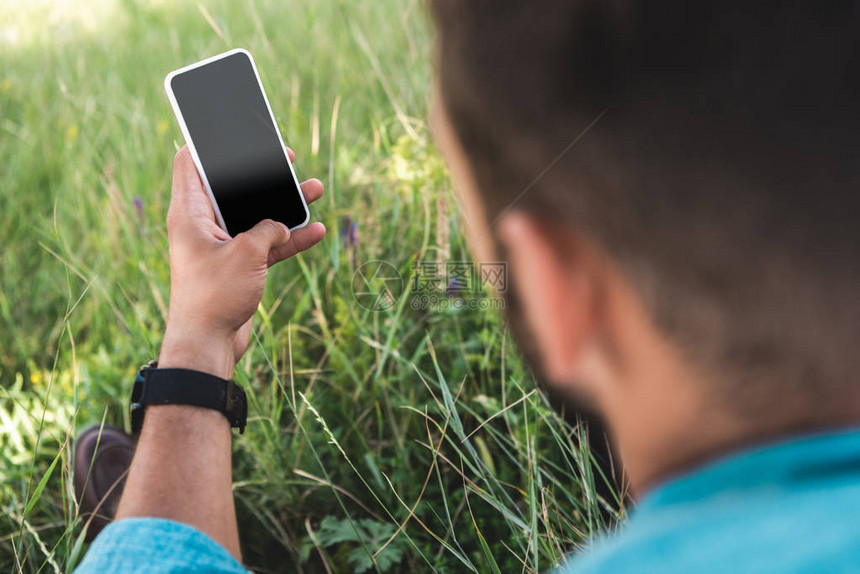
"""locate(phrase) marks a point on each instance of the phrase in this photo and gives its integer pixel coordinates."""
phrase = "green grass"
(390, 441)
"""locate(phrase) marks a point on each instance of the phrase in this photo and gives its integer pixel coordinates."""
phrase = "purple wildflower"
(138, 205)
(352, 234)
(349, 237)
(454, 287)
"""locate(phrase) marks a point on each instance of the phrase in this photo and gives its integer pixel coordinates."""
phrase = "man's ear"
(555, 278)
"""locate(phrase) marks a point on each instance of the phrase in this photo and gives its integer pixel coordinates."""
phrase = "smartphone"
(234, 139)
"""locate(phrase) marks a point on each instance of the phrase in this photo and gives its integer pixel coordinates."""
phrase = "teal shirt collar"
(788, 464)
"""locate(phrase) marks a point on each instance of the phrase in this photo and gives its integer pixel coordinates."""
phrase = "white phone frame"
(179, 117)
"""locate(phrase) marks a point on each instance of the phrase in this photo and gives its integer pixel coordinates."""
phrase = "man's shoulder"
(811, 531)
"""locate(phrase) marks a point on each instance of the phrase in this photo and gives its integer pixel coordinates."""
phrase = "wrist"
(185, 349)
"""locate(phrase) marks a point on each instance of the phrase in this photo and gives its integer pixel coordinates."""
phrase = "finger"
(300, 240)
(189, 199)
(290, 153)
(264, 237)
(312, 189)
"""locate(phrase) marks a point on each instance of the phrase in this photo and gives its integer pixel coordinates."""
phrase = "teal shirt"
(788, 507)
(156, 546)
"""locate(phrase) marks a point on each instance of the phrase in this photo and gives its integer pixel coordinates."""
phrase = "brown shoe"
(102, 458)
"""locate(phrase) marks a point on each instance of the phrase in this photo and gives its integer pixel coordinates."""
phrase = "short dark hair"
(722, 175)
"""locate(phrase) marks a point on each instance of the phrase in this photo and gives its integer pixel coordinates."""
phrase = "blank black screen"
(237, 143)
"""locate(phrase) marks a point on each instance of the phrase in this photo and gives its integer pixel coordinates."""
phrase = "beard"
(565, 396)
(575, 406)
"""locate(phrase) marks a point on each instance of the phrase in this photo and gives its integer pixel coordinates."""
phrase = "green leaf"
(38, 492)
(333, 531)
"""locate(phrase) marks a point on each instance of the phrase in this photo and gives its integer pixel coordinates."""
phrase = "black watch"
(154, 386)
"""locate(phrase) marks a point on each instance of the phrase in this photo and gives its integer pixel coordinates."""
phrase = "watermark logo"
(377, 285)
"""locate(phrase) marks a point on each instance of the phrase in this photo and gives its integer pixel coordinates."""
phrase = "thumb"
(265, 236)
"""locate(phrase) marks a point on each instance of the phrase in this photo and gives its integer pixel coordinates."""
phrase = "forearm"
(182, 467)
(182, 471)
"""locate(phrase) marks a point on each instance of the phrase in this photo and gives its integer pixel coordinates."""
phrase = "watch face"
(136, 390)
(137, 409)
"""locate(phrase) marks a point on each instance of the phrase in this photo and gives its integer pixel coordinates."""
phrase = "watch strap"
(186, 387)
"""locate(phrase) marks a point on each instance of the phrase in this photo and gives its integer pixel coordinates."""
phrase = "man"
(674, 187)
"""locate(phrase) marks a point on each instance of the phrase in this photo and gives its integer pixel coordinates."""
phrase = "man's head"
(681, 174)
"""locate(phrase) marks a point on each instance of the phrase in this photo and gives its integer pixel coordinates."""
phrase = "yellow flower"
(5, 85)
(72, 132)
(36, 378)
(162, 126)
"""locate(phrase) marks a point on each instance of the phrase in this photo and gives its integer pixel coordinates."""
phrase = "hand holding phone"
(216, 282)
(236, 210)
